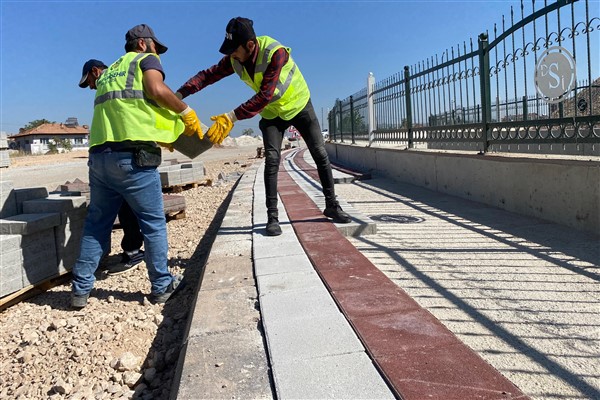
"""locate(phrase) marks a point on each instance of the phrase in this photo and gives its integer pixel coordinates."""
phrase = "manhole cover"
(397, 219)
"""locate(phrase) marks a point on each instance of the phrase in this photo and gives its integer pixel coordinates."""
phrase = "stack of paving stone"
(4, 157)
(181, 174)
(173, 204)
(39, 235)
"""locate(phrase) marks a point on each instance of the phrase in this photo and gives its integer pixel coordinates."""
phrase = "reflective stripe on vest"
(293, 100)
(122, 111)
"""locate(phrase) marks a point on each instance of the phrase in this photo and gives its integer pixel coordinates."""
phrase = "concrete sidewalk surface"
(522, 294)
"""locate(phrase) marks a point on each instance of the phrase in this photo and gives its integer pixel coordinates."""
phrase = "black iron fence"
(540, 87)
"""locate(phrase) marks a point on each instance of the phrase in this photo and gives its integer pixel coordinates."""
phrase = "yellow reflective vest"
(291, 94)
(122, 111)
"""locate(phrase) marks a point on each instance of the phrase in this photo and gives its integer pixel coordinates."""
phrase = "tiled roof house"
(36, 140)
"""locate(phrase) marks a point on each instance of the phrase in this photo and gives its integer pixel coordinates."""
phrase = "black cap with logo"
(239, 30)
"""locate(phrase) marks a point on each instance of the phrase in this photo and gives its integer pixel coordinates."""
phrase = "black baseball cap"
(239, 30)
(144, 31)
(87, 67)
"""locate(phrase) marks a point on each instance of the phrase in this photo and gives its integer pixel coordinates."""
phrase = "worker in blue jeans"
(132, 240)
(133, 110)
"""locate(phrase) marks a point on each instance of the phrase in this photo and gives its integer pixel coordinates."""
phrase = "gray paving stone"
(39, 257)
(275, 246)
(236, 367)
(10, 243)
(347, 376)
(10, 284)
(25, 194)
(278, 265)
(26, 224)
(281, 282)
(298, 339)
(230, 308)
(306, 303)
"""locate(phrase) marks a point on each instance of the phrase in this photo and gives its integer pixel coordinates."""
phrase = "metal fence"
(446, 102)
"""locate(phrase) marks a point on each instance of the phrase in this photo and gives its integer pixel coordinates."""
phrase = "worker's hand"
(192, 123)
(168, 146)
(221, 127)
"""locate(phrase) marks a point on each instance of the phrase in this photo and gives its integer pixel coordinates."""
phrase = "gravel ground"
(120, 346)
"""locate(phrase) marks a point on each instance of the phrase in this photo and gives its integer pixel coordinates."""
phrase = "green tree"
(248, 132)
(35, 124)
(53, 145)
(66, 144)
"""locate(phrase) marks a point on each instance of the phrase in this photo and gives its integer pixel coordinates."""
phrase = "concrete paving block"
(8, 200)
(26, 224)
(280, 265)
(23, 195)
(236, 367)
(275, 246)
(170, 178)
(10, 284)
(297, 304)
(186, 176)
(222, 273)
(39, 257)
(69, 207)
(238, 222)
(224, 310)
(11, 272)
(307, 338)
(169, 167)
(347, 376)
(274, 283)
(241, 246)
(11, 260)
(10, 243)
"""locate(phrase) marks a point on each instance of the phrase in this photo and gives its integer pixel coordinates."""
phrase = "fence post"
(370, 108)
(352, 118)
(484, 83)
(408, 106)
(341, 123)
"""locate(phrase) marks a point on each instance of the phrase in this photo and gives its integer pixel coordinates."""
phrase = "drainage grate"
(397, 219)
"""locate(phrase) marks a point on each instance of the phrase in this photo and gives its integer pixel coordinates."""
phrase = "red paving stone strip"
(416, 353)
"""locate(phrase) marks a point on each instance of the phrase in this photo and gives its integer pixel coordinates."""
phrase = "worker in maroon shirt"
(282, 99)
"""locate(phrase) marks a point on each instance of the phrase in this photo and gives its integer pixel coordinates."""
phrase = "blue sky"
(335, 43)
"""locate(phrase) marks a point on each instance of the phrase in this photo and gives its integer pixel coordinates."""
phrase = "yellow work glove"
(191, 122)
(221, 128)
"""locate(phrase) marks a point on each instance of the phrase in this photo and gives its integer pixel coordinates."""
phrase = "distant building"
(36, 140)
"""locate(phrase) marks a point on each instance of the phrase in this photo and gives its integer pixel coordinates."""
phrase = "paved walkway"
(426, 296)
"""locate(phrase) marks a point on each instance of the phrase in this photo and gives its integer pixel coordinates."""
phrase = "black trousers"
(132, 236)
(307, 124)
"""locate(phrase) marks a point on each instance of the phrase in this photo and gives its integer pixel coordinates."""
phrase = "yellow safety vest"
(291, 94)
(122, 111)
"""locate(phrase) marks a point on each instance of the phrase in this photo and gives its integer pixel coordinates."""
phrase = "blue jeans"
(115, 177)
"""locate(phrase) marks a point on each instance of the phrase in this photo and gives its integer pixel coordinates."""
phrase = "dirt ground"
(120, 346)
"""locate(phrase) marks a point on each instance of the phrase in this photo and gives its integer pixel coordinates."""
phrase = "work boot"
(176, 285)
(129, 260)
(335, 212)
(79, 301)
(273, 228)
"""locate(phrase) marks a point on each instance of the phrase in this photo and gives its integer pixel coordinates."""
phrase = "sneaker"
(337, 214)
(176, 284)
(79, 300)
(273, 228)
(128, 263)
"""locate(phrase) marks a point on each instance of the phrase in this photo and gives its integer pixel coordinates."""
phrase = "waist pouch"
(147, 157)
